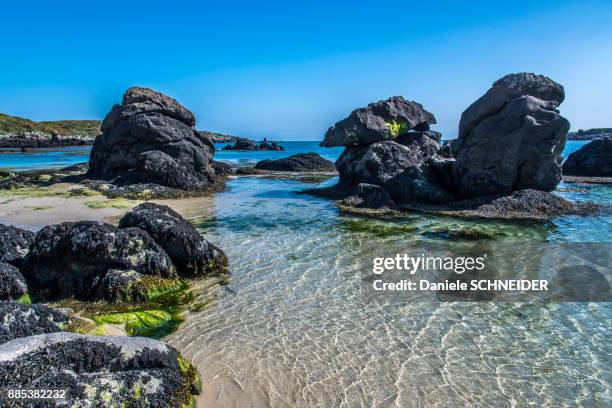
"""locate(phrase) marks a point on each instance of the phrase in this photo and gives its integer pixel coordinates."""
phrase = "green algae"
(379, 229)
(118, 203)
(147, 323)
(396, 128)
(24, 299)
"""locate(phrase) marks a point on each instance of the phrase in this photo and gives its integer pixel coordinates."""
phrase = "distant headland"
(590, 134)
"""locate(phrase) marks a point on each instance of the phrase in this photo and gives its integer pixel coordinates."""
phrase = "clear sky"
(289, 69)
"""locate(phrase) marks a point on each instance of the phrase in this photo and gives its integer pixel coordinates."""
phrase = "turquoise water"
(52, 158)
(292, 329)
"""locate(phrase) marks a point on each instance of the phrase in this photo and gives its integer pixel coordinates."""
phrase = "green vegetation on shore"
(15, 125)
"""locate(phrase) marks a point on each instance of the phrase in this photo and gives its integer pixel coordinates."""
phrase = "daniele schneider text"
(412, 264)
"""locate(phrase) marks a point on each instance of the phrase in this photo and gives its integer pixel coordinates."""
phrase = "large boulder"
(593, 160)
(302, 162)
(401, 170)
(70, 259)
(20, 320)
(383, 120)
(149, 126)
(190, 252)
(98, 371)
(14, 243)
(511, 138)
(12, 283)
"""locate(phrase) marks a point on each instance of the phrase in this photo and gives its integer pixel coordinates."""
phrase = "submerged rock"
(149, 138)
(592, 160)
(191, 253)
(99, 371)
(303, 162)
(523, 204)
(130, 286)
(12, 283)
(70, 259)
(382, 120)
(14, 243)
(19, 320)
(369, 196)
(511, 138)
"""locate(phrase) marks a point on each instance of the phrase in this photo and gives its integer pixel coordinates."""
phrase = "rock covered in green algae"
(12, 283)
(71, 259)
(20, 320)
(191, 253)
(99, 371)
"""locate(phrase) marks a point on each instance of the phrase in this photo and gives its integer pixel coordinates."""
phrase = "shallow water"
(292, 328)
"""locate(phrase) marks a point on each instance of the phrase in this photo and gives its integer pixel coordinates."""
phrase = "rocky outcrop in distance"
(149, 142)
(590, 134)
(507, 155)
(303, 162)
(592, 160)
(247, 144)
(16, 132)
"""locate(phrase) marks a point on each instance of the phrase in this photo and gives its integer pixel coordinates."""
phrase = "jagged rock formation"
(382, 120)
(592, 160)
(511, 138)
(150, 138)
(192, 255)
(303, 162)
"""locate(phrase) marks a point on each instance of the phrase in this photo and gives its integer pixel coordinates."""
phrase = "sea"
(292, 327)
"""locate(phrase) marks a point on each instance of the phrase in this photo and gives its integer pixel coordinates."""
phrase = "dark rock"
(137, 100)
(593, 160)
(99, 371)
(130, 286)
(510, 139)
(14, 243)
(523, 204)
(504, 90)
(369, 196)
(70, 259)
(399, 169)
(222, 168)
(302, 162)
(12, 283)
(246, 171)
(270, 146)
(20, 320)
(383, 120)
(242, 144)
(190, 252)
(149, 138)
(449, 148)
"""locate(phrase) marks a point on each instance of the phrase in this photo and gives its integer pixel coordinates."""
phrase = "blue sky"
(288, 70)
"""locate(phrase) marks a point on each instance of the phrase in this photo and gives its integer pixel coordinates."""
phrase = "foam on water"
(292, 330)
